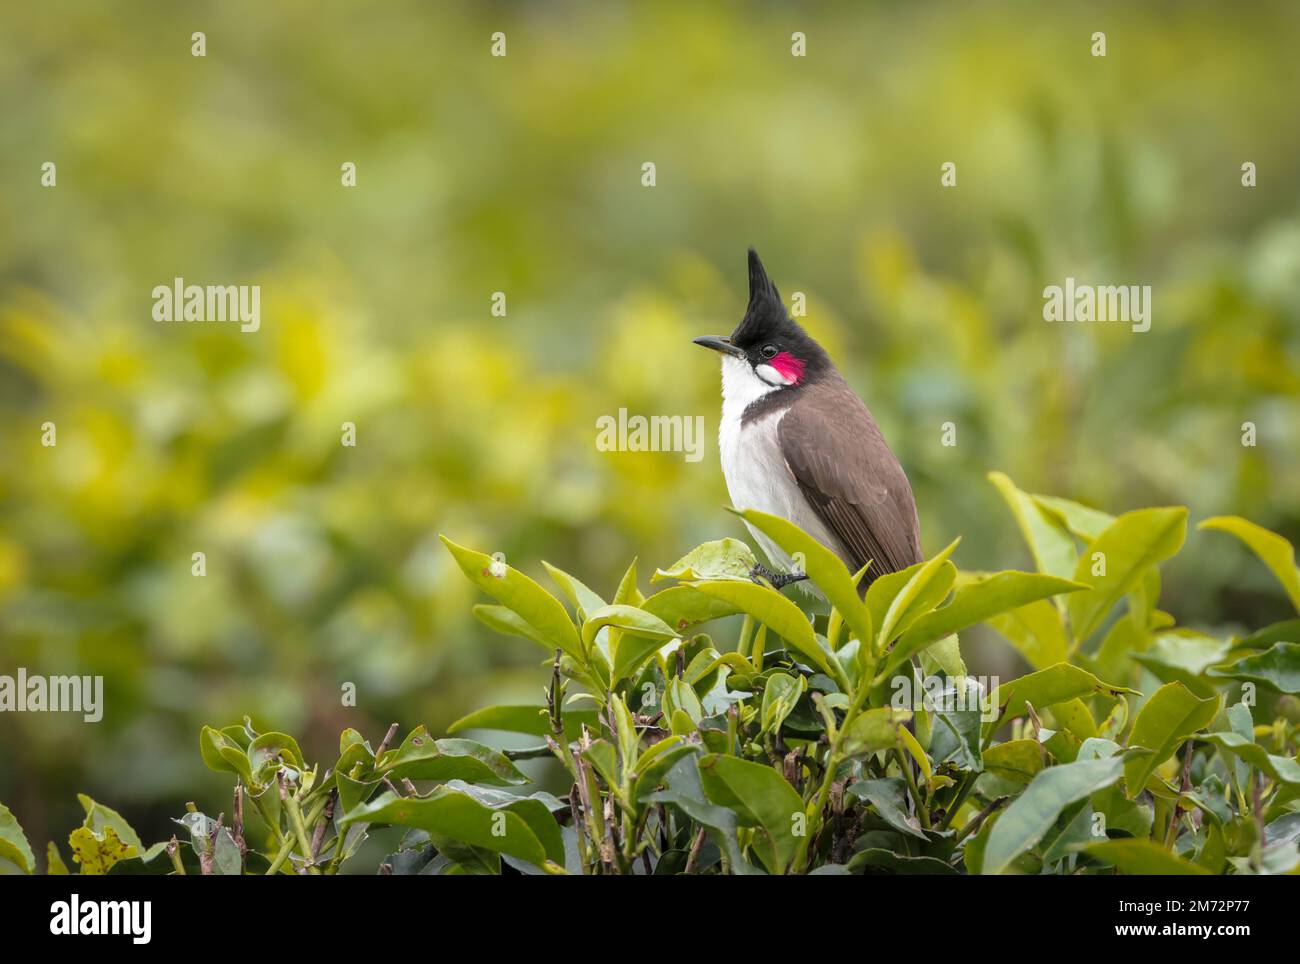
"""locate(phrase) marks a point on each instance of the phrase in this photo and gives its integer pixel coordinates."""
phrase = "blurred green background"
(522, 174)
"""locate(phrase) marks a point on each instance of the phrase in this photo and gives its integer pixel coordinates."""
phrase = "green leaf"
(943, 655)
(1280, 769)
(532, 720)
(1170, 716)
(1144, 857)
(420, 757)
(221, 753)
(1241, 722)
(780, 695)
(955, 728)
(683, 607)
(492, 797)
(1278, 667)
(513, 589)
(270, 751)
(456, 814)
(874, 730)
(889, 797)
(628, 619)
(680, 696)
(1285, 829)
(627, 593)
(655, 763)
(640, 634)
(1033, 813)
(823, 566)
(1273, 550)
(1049, 543)
(100, 817)
(1075, 716)
(923, 591)
(1016, 760)
(1125, 638)
(721, 559)
(506, 621)
(1182, 655)
(54, 865)
(975, 601)
(575, 590)
(898, 863)
(776, 612)
(760, 798)
(973, 853)
(1082, 521)
(227, 861)
(633, 651)
(536, 809)
(686, 793)
(1130, 545)
(1036, 632)
(13, 842)
(1284, 632)
(1046, 687)
(352, 792)
(604, 759)
(629, 740)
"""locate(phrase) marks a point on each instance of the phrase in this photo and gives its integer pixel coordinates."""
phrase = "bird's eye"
(768, 351)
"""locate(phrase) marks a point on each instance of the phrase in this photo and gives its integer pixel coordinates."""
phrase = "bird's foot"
(778, 580)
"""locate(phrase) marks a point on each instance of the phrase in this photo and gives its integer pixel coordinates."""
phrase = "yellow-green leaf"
(1016, 760)
(773, 610)
(1115, 561)
(513, 589)
(1055, 684)
(824, 567)
(13, 842)
(1032, 814)
(1273, 550)
(1145, 857)
(1170, 716)
(1049, 542)
(760, 798)
(720, 559)
(922, 592)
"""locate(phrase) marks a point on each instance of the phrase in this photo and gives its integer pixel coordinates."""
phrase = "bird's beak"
(720, 344)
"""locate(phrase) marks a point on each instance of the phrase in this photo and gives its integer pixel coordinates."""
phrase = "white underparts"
(756, 473)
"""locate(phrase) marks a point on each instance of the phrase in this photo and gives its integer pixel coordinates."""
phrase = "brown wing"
(852, 480)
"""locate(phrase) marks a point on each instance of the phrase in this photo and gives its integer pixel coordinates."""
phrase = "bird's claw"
(778, 580)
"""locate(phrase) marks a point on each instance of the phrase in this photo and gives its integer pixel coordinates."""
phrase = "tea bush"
(851, 742)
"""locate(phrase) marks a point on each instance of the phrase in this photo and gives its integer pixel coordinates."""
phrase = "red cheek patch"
(791, 368)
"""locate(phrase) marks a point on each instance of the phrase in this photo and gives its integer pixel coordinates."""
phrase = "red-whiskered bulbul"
(796, 442)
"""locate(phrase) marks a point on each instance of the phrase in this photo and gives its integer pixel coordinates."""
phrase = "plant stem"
(287, 847)
(174, 852)
(978, 820)
(300, 831)
(922, 811)
(694, 856)
(529, 753)
(746, 635)
(968, 783)
(274, 825)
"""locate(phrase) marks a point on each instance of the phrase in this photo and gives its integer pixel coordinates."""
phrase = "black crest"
(765, 316)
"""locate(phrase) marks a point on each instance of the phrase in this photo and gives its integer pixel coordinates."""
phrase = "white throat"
(742, 384)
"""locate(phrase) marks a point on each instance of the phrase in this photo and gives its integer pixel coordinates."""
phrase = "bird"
(797, 442)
